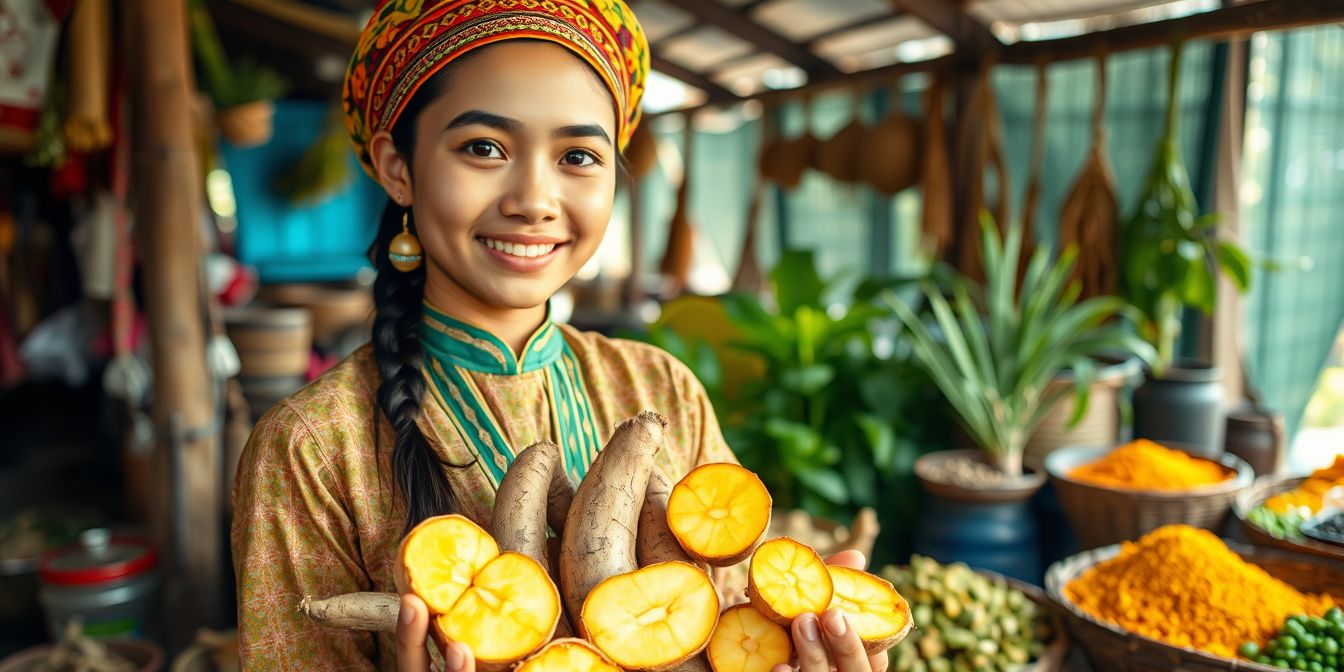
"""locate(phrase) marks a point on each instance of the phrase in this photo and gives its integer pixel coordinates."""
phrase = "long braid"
(398, 298)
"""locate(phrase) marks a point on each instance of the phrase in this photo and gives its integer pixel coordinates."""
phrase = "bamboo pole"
(187, 529)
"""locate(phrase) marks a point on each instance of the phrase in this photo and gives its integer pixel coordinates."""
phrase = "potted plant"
(244, 93)
(993, 351)
(1171, 260)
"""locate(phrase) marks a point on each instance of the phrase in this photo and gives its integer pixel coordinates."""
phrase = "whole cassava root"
(535, 493)
(719, 513)
(355, 611)
(655, 541)
(600, 532)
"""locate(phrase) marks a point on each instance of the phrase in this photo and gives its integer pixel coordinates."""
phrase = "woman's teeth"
(518, 250)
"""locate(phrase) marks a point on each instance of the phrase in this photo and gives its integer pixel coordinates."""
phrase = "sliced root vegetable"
(534, 494)
(355, 611)
(600, 532)
(568, 655)
(719, 513)
(656, 543)
(440, 556)
(509, 611)
(786, 579)
(878, 614)
(746, 641)
(653, 618)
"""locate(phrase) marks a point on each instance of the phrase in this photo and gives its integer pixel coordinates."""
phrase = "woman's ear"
(393, 171)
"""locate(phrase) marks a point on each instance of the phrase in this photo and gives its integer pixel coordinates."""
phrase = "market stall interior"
(1030, 302)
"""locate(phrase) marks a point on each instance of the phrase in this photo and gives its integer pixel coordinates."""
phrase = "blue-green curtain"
(1293, 196)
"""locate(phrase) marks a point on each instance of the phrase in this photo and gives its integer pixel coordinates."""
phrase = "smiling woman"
(495, 129)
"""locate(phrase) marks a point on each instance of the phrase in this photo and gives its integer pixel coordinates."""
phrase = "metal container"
(109, 582)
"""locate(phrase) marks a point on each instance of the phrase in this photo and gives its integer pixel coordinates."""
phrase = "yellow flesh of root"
(747, 641)
(442, 555)
(508, 612)
(719, 510)
(570, 655)
(791, 578)
(652, 616)
(873, 607)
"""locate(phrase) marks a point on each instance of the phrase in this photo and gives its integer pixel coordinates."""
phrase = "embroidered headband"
(407, 41)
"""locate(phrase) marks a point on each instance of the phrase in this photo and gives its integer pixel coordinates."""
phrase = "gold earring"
(404, 252)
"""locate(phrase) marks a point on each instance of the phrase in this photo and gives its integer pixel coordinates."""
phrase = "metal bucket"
(109, 582)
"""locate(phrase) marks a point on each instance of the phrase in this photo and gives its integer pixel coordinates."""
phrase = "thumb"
(851, 559)
(412, 633)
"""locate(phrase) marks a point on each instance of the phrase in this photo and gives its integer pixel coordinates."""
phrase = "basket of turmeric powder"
(1120, 494)
(1272, 510)
(1180, 598)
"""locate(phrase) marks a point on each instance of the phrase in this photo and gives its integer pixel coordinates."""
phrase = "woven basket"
(1113, 650)
(1101, 516)
(1264, 488)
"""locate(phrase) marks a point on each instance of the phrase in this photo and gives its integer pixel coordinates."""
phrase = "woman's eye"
(485, 150)
(579, 157)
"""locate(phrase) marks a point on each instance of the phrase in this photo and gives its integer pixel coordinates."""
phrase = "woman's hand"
(827, 642)
(413, 634)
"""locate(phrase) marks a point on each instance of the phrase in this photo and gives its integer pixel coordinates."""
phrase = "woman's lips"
(522, 256)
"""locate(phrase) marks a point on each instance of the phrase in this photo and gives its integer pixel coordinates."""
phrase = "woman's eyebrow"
(583, 131)
(479, 118)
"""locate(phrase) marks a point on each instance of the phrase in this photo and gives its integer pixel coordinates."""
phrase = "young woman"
(495, 127)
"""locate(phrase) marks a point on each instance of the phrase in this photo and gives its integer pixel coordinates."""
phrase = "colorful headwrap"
(407, 41)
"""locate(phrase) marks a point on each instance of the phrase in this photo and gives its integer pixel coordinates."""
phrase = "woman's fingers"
(412, 632)
(457, 658)
(808, 645)
(852, 559)
(847, 652)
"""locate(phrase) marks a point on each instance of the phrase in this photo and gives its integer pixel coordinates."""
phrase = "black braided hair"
(398, 297)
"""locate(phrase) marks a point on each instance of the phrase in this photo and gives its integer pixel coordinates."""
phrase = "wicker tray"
(1264, 488)
(1113, 650)
(1101, 516)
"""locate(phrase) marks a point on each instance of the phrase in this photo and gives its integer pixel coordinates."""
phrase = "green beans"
(1304, 643)
(965, 621)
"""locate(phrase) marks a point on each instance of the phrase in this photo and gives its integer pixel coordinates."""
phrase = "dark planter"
(986, 528)
(1184, 405)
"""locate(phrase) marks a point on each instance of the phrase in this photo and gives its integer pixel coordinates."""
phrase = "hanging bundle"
(1030, 204)
(889, 161)
(642, 154)
(783, 162)
(981, 134)
(749, 279)
(680, 250)
(1088, 220)
(87, 127)
(936, 171)
(839, 156)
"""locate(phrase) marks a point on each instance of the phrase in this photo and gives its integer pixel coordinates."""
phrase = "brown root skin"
(535, 492)
(655, 542)
(600, 532)
(355, 611)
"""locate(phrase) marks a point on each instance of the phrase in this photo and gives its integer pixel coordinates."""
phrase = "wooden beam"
(188, 516)
(861, 22)
(949, 18)
(740, 25)
(717, 93)
(674, 36)
(1225, 22)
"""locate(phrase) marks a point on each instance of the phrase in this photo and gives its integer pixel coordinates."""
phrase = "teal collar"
(451, 340)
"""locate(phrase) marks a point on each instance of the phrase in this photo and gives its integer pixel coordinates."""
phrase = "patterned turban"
(407, 41)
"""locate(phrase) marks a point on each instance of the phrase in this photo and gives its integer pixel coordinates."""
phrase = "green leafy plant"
(229, 85)
(993, 351)
(1172, 255)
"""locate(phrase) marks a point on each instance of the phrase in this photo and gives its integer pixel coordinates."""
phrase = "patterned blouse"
(314, 507)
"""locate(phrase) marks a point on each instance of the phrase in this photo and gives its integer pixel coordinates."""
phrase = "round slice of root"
(652, 618)
(509, 611)
(787, 579)
(878, 614)
(719, 513)
(568, 655)
(440, 556)
(746, 641)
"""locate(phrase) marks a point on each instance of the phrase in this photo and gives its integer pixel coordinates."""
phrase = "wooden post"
(186, 465)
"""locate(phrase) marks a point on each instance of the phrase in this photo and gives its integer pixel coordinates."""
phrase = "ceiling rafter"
(950, 18)
(717, 93)
(737, 23)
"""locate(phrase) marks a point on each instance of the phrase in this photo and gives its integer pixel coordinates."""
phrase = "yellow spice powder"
(1184, 586)
(1144, 465)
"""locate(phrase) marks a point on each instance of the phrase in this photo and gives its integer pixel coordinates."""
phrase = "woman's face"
(513, 176)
